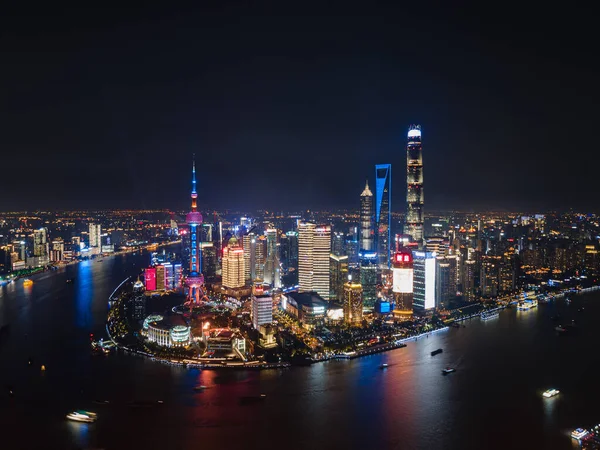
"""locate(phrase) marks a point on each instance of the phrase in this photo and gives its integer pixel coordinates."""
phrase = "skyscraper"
(272, 271)
(353, 303)
(445, 280)
(424, 282)
(402, 285)
(314, 247)
(366, 240)
(368, 278)
(414, 181)
(262, 310)
(40, 242)
(383, 216)
(195, 279)
(95, 234)
(338, 266)
(233, 265)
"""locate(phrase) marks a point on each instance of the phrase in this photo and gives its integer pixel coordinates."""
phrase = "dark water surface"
(492, 401)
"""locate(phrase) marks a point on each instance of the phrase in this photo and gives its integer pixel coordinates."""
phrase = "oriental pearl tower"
(195, 279)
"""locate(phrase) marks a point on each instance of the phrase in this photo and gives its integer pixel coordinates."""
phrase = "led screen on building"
(403, 281)
(429, 283)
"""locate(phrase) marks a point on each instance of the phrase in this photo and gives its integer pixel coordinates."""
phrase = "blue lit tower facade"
(414, 185)
(195, 279)
(383, 216)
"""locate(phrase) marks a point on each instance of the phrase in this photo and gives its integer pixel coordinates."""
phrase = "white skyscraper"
(262, 310)
(314, 247)
(95, 232)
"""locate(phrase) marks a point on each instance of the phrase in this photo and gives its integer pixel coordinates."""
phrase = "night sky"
(290, 107)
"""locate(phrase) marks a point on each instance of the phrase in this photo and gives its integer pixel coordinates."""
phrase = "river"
(492, 401)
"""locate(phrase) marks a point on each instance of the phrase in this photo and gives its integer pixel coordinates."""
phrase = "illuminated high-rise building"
(368, 278)
(314, 247)
(445, 280)
(233, 265)
(195, 279)
(262, 310)
(40, 242)
(272, 268)
(402, 284)
(338, 266)
(468, 280)
(383, 216)
(414, 189)
(367, 234)
(95, 235)
(353, 303)
(424, 264)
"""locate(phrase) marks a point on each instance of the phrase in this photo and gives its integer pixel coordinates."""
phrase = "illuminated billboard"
(402, 281)
(429, 283)
(150, 279)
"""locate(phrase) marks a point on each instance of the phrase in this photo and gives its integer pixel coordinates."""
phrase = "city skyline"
(328, 91)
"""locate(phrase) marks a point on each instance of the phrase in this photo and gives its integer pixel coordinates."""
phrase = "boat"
(527, 305)
(70, 280)
(488, 315)
(560, 329)
(383, 366)
(27, 282)
(579, 433)
(436, 352)
(101, 402)
(200, 388)
(43, 368)
(448, 370)
(551, 393)
(82, 416)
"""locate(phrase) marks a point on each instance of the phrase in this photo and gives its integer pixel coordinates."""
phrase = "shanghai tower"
(414, 188)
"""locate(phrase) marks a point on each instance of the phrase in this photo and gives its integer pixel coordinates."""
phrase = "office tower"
(353, 303)
(368, 278)
(150, 278)
(352, 249)
(249, 241)
(57, 251)
(95, 235)
(423, 282)
(338, 243)
(160, 277)
(195, 279)
(367, 234)
(383, 216)
(5, 260)
(314, 247)
(138, 302)
(489, 275)
(209, 259)
(445, 280)
(177, 275)
(169, 276)
(414, 181)
(468, 280)
(260, 258)
(262, 310)
(40, 242)
(402, 284)
(437, 244)
(233, 265)
(272, 270)
(338, 266)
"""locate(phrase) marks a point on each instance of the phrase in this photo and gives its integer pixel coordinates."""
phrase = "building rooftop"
(308, 299)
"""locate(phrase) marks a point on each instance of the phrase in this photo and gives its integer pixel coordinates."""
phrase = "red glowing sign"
(150, 278)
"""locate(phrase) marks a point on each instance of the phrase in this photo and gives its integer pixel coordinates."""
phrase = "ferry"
(551, 393)
(579, 433)
(384, 366)
(436, 352)
(527, 305)
(448, 370)
(27, 282)
(488, 315)
(82, 416)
